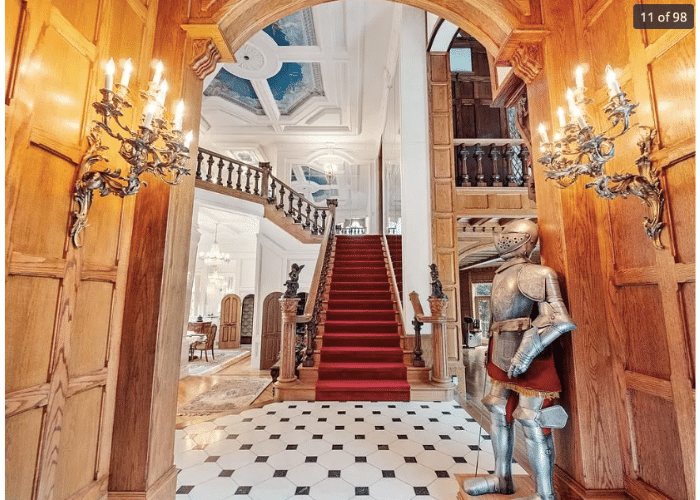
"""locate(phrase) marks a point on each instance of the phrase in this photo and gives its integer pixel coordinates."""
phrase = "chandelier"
(578, 150)
(158, 146)
(215, 256)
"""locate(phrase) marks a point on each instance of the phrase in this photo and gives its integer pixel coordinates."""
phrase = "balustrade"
(258, 181)
(507, 162)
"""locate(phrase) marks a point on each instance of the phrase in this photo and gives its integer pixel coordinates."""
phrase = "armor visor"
(507, 243)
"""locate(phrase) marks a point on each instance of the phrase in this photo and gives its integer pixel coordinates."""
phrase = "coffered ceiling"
(317, 77)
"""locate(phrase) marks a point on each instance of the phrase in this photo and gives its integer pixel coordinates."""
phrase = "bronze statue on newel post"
(520, 362)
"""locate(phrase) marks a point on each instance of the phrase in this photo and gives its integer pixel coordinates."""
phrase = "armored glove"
(530, 346)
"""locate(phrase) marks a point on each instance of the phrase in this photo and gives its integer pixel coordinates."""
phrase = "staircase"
(394, 243)
(361, 357)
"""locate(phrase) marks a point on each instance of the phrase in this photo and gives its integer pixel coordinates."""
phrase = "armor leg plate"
(501, 481)
(539, 446)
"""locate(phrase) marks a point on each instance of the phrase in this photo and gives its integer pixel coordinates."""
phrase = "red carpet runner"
(361, 357)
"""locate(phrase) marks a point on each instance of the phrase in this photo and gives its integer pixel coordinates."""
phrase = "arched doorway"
(247, 319)
(230, 322)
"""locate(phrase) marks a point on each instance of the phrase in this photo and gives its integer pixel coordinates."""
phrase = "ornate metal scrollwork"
(576, 150)
(153, 148)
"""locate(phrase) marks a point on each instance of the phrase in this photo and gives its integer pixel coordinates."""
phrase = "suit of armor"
(520, 362)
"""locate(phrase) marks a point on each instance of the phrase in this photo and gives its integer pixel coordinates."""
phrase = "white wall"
(415, 157)
(275, 254)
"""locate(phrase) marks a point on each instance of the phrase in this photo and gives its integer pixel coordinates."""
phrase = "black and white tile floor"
(332, 451)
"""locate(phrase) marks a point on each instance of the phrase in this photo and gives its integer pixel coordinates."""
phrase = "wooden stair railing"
(257, 184)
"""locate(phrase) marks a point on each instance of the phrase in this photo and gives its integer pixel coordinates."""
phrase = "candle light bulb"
(611, 80)
(126, 75)
(562, 117)
(179, 114)
(150, 111)
(161, 93)
(543, 133)
(109, 74)
(578, 116)
(557, 137)
(188, 139)
(579, 77)
(158, 73)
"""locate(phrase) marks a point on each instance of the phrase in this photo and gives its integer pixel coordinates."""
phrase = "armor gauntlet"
(551, 323)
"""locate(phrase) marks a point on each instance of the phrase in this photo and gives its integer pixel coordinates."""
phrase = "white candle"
(570, 100)
(562, 118)
(161, 93)
(179, 114)
(188, 139)
(579, 77)
(611, 79)
(576, 113)
(543, 133)
(158, 73)
(126, 75)
(109, 74)
(150, 111)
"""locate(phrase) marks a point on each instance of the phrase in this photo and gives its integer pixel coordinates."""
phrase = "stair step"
(355, 295)
(368, 355)
(355, 305)
(364, 286)
(361, 326)
(378, 390)
(365, 315)
(340, 372)
(359, 339)
(360, 278)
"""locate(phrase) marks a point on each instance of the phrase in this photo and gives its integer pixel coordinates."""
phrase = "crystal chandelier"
(215, 256)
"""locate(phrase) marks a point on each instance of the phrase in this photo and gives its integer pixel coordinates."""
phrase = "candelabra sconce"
(576, 150)
(158, 146)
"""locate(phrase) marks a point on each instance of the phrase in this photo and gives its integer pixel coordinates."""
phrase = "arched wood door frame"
(271, 335)
(230, 335)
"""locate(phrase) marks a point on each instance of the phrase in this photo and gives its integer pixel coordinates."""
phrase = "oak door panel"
(81, 15)
(680, 203)
(687, 297)
(271, 330)
(230, 322)
(79, 442)
(657, 443)
(29, 329)
(673, 75)
(21, 447)
(89, 339)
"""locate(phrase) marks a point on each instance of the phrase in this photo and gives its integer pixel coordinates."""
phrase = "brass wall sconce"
(577, 150)
(158, 147)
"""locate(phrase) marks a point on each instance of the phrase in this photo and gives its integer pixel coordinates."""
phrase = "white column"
(415, 156)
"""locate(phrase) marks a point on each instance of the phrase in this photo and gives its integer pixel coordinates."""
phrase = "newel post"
(438, 311)
(265, 181)
(289, 338)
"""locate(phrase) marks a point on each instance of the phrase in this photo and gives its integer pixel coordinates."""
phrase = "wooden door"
(247, 318)
(651, 296)
(230, 338)
(63, 328)
(271, 330)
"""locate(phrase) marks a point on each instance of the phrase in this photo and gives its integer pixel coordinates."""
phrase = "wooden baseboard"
(163, 489)
(567, 487)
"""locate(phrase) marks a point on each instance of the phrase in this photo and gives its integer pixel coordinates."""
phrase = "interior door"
(230, 338)
(271, 330)
(247, 319)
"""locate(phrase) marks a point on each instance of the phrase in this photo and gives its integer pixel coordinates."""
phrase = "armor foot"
(488, 484)
(537, 496)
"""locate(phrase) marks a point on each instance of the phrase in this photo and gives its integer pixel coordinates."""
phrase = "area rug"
(222, 359)
(226, 395)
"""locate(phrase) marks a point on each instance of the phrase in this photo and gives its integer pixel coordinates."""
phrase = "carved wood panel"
(649, 314)
(63, 330)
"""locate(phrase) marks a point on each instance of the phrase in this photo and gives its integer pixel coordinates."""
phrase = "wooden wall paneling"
(646, 339)
(442, 181)
(15, 23)
(162, 224)
(680, 207)
(588, 452)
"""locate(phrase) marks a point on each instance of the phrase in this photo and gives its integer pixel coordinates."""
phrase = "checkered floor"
(333, 451)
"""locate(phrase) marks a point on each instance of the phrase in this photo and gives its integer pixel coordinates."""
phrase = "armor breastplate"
(507, 303)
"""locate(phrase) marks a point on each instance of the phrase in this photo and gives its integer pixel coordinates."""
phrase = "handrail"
(394, 285)
(314, 301)
(258, 184)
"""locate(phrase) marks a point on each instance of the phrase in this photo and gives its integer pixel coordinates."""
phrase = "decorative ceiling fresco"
(295, 84)
(294, 30)
(236, 90)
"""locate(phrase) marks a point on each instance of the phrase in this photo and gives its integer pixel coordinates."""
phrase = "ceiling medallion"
(250, 58)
